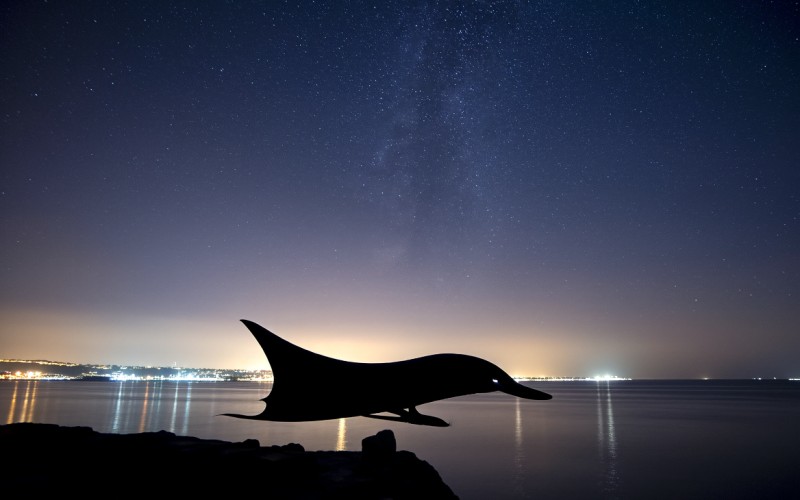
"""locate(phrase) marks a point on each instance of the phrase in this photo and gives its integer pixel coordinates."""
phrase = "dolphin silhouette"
(309, 386)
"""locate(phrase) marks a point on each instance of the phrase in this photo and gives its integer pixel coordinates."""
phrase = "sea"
(619, 439)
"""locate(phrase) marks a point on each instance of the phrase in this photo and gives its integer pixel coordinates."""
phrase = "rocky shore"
(46, 458)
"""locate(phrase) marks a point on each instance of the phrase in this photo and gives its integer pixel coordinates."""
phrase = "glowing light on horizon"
(607, 378)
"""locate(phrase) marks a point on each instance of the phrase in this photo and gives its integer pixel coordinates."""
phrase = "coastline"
(58, 459)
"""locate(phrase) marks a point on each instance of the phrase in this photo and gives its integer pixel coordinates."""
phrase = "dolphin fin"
(411, 416)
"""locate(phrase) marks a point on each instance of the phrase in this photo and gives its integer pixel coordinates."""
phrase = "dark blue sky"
(564, 189)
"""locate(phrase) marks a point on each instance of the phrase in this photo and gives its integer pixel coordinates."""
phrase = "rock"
(51, 459)
(379, 448)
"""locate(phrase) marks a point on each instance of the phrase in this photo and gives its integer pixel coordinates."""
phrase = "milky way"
(560, 188)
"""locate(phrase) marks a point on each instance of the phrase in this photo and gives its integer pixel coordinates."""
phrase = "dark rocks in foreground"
(46, 458)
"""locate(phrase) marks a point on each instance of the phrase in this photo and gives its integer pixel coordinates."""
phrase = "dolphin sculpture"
(302, 389)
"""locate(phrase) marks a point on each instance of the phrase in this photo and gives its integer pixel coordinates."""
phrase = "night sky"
(562, 188)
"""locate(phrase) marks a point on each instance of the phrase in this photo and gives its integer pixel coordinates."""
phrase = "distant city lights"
(52, 370)
(607, 378)
(596, 378)
(98, 373)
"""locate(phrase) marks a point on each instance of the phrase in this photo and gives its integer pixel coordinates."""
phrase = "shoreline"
(57, 459)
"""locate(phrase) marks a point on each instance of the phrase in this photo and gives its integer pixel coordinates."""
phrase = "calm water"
(603, 440)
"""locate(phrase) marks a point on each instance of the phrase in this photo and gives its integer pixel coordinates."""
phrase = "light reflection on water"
(519, 452)
(26, 406)
(12, 403)
(119, 407)
(144, 413)
(186, 405)
(607, 438)
(341, 435)
(600, 440)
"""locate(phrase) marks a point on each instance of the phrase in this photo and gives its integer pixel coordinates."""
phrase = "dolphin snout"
(514, 388)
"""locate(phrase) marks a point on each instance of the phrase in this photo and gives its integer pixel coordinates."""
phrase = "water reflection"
(174, 407)
(30, 401)
(148, 405)
(341, 435)
(155, 414)
(117, 408)
(27, 405)
(186, 406)
(519, 453)
(607, 439)
(144, 407)
(12, 403)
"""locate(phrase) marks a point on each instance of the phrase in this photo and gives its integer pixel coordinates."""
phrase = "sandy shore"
(46, 458)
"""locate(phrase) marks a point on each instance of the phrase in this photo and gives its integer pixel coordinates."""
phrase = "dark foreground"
(46, 458)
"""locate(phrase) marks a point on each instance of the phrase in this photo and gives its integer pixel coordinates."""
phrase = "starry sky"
(562, 188)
